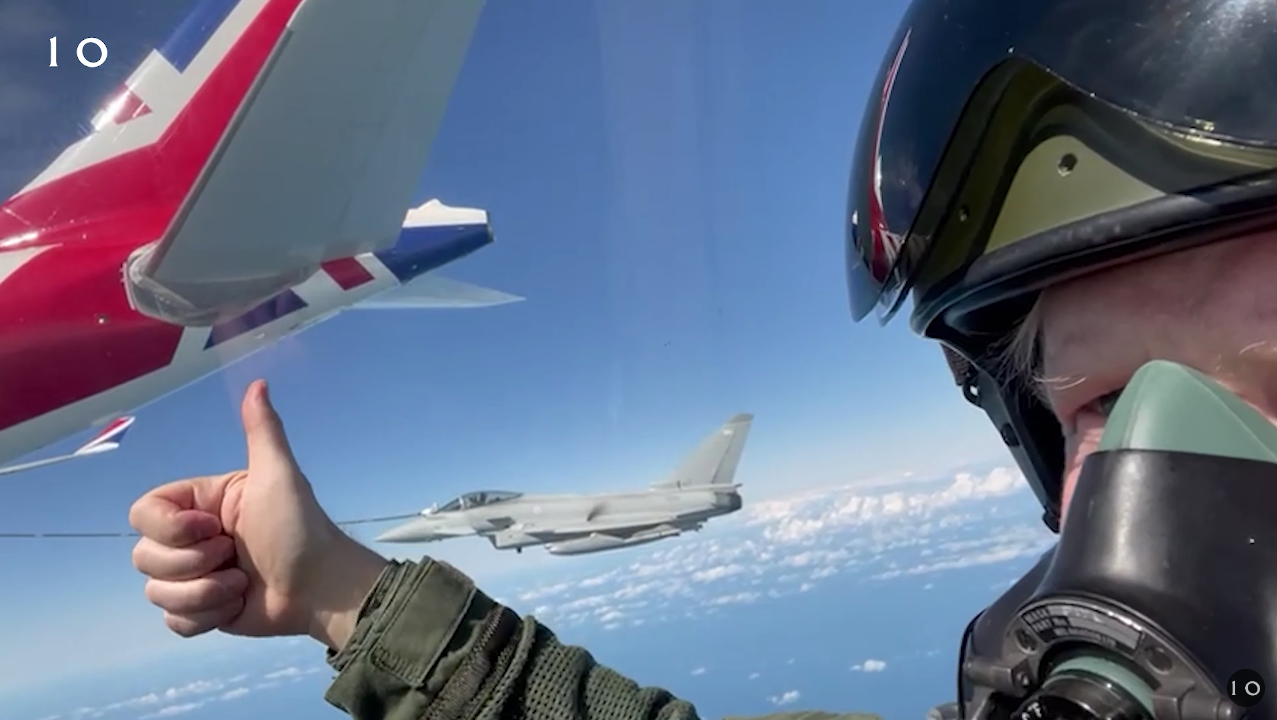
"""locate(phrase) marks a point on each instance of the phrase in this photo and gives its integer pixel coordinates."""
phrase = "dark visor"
(1195, 65)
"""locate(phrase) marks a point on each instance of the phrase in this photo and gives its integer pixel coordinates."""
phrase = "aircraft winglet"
(108, 439)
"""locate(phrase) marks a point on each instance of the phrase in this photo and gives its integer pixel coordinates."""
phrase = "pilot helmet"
(1008, 145)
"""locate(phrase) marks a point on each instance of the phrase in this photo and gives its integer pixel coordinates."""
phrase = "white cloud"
(740, 598)
(870, 665)
(754, 676)
(171, 710)
(717, 572)
(182, 699)
(548, 591)
(163, 699)
(785, 698)
(293, 672)
(788, 521)
(698, 670)
(597, 580)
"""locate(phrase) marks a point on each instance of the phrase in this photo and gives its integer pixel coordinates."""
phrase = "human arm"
(428, 644)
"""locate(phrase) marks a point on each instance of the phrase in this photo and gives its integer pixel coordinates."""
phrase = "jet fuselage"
(501, 522)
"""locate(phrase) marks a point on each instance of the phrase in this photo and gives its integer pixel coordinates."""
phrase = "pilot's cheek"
(1078, 445)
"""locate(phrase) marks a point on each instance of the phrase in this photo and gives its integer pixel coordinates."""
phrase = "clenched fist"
(251, 552)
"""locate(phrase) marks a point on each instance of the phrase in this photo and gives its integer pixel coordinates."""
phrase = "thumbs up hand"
(251, 552)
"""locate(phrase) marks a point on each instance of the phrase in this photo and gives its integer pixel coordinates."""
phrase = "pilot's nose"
(415, 530)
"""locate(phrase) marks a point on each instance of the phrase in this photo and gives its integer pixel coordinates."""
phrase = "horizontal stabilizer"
(108, 439)
(434, 291)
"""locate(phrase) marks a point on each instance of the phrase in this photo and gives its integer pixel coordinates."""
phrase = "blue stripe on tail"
(193, 33)
(422, 249)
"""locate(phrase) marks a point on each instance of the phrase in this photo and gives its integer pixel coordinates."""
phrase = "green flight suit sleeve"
(428, 645)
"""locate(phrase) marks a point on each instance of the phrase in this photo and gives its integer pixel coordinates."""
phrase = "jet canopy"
(478, 499)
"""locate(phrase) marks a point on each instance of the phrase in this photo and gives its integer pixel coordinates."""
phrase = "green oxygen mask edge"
(1172, 532)
(1173, 408)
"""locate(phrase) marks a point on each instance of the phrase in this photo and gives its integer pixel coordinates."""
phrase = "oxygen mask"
(1159, 601)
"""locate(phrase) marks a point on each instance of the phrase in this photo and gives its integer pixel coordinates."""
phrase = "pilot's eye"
(1105, 403)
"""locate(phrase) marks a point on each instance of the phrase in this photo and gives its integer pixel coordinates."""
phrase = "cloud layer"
(183, 699)
(781, 547)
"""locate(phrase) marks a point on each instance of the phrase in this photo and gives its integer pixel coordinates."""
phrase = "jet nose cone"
(416, 530)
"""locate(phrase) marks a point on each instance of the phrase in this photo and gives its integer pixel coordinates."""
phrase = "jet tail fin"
(108, 439)
(714, 461)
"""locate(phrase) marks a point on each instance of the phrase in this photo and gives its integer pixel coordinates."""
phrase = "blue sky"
(667, 184)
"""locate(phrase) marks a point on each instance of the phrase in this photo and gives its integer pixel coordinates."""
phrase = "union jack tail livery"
(250, 178)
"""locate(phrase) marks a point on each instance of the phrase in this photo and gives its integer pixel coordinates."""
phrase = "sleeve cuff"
(406, 641)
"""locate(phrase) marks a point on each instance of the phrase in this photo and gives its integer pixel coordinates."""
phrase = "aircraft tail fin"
(152, 137)
(714, 461)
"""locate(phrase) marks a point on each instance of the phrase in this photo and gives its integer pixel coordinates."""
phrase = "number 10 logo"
(1251, 688)
(1246, 688)
(79, 52)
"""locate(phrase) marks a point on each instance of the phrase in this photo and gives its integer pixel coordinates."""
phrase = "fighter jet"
(699, 489)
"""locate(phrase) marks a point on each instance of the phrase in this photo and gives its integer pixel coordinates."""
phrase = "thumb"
(267, 444)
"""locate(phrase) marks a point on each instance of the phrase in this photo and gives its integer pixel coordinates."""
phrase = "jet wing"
(433, 291)
(320, 160)
(107, 439)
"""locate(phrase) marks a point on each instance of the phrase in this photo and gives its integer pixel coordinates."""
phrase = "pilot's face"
(1212, 308)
